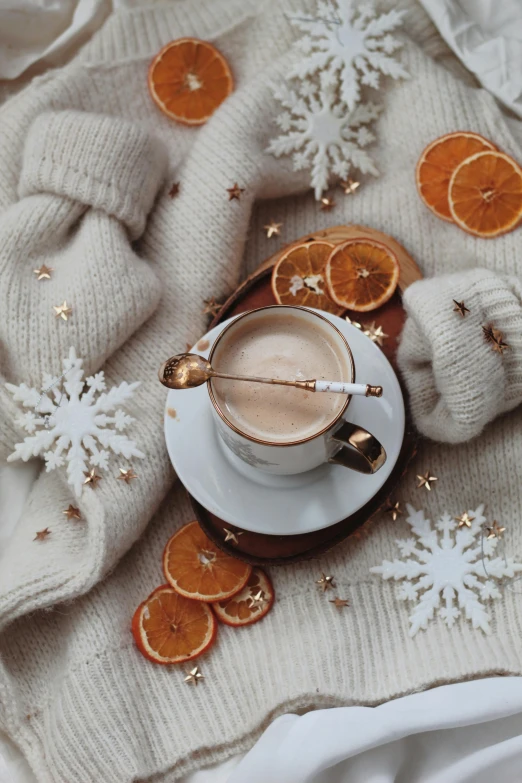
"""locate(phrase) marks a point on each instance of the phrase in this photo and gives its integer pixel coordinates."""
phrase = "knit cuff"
(457, 382)
(100, 161)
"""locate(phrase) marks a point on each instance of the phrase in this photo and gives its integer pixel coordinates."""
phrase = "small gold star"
(72, 512)
(426, 480)
(495, 531)
(327, 204)
(235, 192)
(273, 229)
(42, 534)
(460, 308)
(353, 323)
(211, 306)
(62, 311)
(496, 338)
(174, 190)
(325, 582)
(127, 475)
(464, 520)
(349, 186)
(194, 676)
(44, 273)
(92, 478)
(375, 333)
(257, 601)
(232, 536)
(394, 510)
(340, 603)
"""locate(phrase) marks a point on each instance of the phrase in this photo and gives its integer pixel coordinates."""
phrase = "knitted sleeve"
(457, 377)
(86, 185)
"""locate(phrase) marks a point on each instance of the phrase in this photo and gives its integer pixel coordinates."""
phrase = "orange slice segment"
(298, 277)
(485, 194)
(438, 162)
(198, 569)
(169, 628)
(362, 274)
(188, 79)
(251, 604)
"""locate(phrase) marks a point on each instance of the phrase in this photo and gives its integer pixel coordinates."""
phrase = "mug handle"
(360, 451)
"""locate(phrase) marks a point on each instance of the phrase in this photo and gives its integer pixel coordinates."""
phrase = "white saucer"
(283, 505)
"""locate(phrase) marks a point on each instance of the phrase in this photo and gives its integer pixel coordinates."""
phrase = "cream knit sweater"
(86, 164)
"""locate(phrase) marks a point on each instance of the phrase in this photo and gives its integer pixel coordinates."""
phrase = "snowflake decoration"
(321, 135)
(349, 45)
(74, 423)
(448, 570)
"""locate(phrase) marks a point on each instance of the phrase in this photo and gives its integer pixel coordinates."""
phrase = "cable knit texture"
(87, 163)
(457, 382)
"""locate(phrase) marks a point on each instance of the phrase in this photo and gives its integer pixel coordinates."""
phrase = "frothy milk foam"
(279, 345)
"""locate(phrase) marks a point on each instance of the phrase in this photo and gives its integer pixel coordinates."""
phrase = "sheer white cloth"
(487, 36)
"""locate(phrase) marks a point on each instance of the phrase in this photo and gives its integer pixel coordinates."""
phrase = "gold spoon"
(187, 370)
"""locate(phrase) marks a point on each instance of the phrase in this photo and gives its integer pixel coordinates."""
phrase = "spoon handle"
(338, 387)
(361, 389)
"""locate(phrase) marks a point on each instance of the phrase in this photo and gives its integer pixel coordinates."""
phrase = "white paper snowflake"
(451, 574)
(349, 45)
(73, 422)
(322, 136)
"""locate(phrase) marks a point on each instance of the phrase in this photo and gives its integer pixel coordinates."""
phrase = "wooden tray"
(255, 291)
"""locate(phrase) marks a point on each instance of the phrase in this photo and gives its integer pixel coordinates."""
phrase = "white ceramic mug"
(341, 442)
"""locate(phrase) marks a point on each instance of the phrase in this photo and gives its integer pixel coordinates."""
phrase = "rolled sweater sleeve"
(456, 380)
(100, 161)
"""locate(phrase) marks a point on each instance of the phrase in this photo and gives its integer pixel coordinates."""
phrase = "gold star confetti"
(325, 582)
(230, 535)
(235, 192)
(72, 512)
(211, 306)
(375, 333)
(464, 520)
(273, 229)
(460, 308)
(496, 338)
(127, 475)
(349, 186)
(340, 603)
(394, 510)
(194, 676)
(44, 273)
(257, 601)
(327, 204)
(42, 534)
(495, 531)
(426, 480)
(62, 311)
(173, 192)
(353, 323)
(92, 478)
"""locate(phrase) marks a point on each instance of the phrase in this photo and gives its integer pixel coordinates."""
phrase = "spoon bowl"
(185, 371)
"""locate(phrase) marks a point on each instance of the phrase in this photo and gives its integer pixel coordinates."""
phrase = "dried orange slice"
(438, 162)
(251, 604)
(361, 274)
(198, 569)
(298, 277)
(188, 79)
(485, 194)
(169, 628)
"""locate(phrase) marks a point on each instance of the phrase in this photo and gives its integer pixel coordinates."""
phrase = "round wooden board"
(256, 291)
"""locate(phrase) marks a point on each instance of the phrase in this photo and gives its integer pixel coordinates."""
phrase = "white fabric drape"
(487, 36)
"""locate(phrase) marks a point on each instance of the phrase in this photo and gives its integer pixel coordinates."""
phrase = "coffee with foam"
(280, 345)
